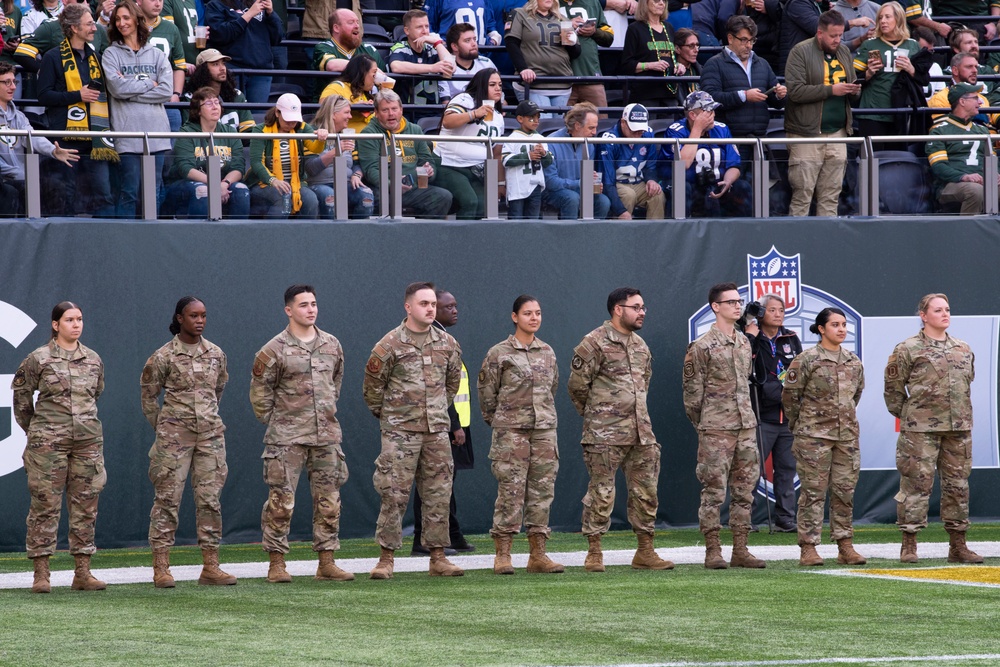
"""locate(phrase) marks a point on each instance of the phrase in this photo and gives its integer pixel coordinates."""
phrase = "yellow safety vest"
(462, 404)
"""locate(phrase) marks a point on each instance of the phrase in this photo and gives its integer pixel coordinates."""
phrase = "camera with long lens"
(705, 179)
(753, 310)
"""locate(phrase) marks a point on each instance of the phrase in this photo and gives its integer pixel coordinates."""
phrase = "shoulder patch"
(19, 378)
(374, 366)
(482, 376)
(577, 362)
(688, 370)
(793, 376)
(892, 371)
(262, 361)
(147, 374)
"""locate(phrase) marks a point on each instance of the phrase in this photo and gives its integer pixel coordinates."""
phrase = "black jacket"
(723, 78)
(766, 394)
(907, 91)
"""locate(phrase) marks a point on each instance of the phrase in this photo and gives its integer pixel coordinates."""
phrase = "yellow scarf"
(78, 116)
(293, 159)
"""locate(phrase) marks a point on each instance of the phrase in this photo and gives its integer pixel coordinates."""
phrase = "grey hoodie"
(12, 148)
(138, 85)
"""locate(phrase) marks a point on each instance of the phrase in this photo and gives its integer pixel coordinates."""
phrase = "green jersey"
(951, 160)
(184, 15)
(588, 64)
(10, 28)
(329, 50)
(239, 121)
(876, 93)
(963, 7)
(165, 36)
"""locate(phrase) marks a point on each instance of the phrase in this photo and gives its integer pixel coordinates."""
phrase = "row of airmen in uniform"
(411, 378)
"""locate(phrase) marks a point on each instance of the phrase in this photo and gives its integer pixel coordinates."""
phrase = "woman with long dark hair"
(65, 452)
(478, 112)
(191, 373)
(517, 389)
(355, 85)
(820, 398)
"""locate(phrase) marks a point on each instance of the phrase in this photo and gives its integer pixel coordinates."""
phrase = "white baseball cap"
(290, 107)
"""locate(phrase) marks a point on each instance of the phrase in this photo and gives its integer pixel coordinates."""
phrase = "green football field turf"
(620, 617)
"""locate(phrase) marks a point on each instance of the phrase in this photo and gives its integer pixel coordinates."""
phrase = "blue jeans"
(184, 200)
(174, 118)
(360, 201)
(543, 99)
(256, 88)
(567, 202)
(270, 202)
(128, 196)
(529, 208)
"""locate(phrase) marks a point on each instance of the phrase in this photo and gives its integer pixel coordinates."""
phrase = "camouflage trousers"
(641, 464)
(726, 458)
(53, 468)
(525, 463)
(917, 455)
(407, 456)
(283, 466)
(173, 456)
(823, 465)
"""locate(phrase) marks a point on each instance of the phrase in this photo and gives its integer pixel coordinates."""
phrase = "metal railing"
(391, 185)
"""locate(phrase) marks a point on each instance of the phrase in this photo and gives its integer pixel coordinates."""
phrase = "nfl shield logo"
(775, 273)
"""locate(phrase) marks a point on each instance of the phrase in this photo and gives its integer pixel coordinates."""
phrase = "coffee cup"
(567, 33)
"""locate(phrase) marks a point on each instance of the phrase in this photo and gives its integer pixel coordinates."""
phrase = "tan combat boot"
(958, 552)
(595, 557)
(713, 552)
(161, 568)
(501, 562)
(538, 560)
(441, 566)
(741, 555)
(646, 557)
(908, 552)
(83, 580)
(846, 555)
(328, 570)
(808, 556)
(211, 575)
(276, 572)
(41, 583)
(383, 568)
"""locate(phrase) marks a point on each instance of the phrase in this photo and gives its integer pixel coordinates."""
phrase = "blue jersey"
(442, 14)
(715, 157)
(626, 164)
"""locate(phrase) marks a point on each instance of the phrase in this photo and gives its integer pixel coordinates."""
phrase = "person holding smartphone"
(246, 30)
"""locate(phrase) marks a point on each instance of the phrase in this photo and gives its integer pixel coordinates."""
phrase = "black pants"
(776, 441)
(11, 198)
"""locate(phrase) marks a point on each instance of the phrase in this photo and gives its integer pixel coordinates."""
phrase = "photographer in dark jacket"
(774, 347)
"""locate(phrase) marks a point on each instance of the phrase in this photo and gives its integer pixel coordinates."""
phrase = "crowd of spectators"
(729, 69)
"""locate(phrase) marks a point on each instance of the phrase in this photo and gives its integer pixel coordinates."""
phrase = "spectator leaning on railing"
(421, 52)
(344, 43)
(821, 87)
(426, 202)
(276, 175)
(524, 164)
(246, 34)
(629, 169)
(540, 48)
(212, 72)
(593, 32)
(12, 148)
(188, 193)
(71, 86)
(461, 43)
(562, 177)
(958, 166)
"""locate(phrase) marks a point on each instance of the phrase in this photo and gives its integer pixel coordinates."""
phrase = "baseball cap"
(527, 108)
(636, 117)
(700, 99)
(960, 89)
(210, 56)
(290, 108)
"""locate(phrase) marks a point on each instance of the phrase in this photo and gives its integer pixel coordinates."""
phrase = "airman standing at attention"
(717, 401)
(411, 378)
(608, 384)
(294, 390)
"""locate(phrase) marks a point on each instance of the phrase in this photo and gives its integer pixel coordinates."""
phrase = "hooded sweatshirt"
(138, 85)
(12, 148)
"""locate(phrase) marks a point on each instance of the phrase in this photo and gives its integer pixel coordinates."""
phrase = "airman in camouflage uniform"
(717, 401)
(65, 451)
(608, 385)
(411, 378)
(517, 386)
(189, 439)
(294, 389)
(820, 399)
(927, 387)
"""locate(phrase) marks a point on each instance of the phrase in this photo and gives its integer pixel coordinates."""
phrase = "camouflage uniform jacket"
(517, 385)
(608, 384)
(927, 384)
(717, 382)
(294, 389)
(821, 394)
(192, 386)
(68, 385)
(410, 388)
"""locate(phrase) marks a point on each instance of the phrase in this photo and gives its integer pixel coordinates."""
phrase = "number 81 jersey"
(715, 157)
